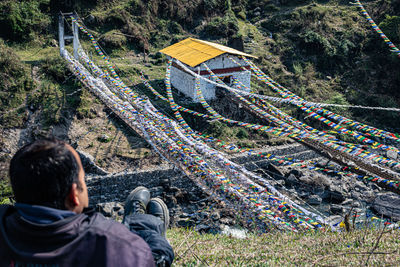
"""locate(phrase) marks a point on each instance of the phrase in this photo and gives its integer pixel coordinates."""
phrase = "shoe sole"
(128, 200)
(165, 211)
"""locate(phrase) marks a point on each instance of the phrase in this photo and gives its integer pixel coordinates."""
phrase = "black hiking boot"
(137, 201)
(157, 207)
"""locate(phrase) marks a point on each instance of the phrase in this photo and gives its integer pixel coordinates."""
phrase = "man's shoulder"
(4, 209)
(117, 236)
(103, 226)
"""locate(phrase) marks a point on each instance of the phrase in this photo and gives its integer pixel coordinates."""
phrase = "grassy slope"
(287, 249)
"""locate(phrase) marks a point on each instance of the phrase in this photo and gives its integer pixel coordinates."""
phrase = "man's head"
(49, 173)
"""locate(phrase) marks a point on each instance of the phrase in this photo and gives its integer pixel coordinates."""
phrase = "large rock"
(388, 204)
(333, 195)
(314, 200)
(275, 170)
(291, 180)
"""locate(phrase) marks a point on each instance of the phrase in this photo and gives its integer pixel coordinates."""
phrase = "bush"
(54, 68)
(222, 27)
(113, 39)
(5, 191)
(391, 27)
(315, 43)
(174, 27)
(15, 83)
(242, 134)
(20, 20)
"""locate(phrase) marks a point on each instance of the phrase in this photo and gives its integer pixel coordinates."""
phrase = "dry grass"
(359, 248)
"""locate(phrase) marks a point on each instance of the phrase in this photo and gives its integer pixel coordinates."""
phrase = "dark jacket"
(86, 239)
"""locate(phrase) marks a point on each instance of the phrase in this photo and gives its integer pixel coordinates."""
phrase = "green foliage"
(211, 4)
(50, 100)
(5, 191)
(15, 84)
(221, 27)
(284, 248)
(242, 134)
(104, 138)
(315, 43)
(345, 48)
(15, 80)
(84, 109)
(391, 27)
(174, 27)
(54, 68)
(22, 20)
(340, 99)
(271, 8)
(297, 68)
(113, 39)
(226, 132)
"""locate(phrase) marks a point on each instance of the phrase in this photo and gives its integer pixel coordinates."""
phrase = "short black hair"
(43, 172)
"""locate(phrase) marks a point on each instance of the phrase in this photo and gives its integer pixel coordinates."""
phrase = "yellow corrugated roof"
(193, 52)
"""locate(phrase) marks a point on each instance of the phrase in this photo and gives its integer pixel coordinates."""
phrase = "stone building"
(192, 53)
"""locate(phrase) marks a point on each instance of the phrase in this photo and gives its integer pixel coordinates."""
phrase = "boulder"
(107, 208)
(336, 209)
(305, 179)
(291, 179)
(314, 200)
(272, 168)
(351, 203)
(202, 228)
(361, 186)
(392, 154)
(388, 205)
(333, 195)
(303, 194)
(296, 173)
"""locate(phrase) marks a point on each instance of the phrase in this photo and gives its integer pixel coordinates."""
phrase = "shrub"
(297, 68)
(20, 20)
(15, 83)
(340, 99)
(113, 39)
(174, 27)
(242, 134)
(315, 43)
(391, 27)
(222, 27)
(5, 191)
(54, 68)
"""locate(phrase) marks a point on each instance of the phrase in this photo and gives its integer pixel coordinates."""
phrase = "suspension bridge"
(211, 169)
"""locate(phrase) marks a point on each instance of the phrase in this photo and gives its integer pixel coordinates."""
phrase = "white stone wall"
(185, 83)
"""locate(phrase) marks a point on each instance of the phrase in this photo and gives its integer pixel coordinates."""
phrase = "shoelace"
(137, 207)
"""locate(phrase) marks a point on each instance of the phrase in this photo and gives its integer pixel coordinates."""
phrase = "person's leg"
(151, 228)
(159, 209)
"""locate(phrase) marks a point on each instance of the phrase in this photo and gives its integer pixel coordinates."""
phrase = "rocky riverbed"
(330, 194)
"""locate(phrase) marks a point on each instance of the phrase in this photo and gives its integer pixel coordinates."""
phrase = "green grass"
(32, 54)
(287, 249)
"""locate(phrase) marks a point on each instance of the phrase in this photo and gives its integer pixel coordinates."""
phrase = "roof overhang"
(193, 51)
